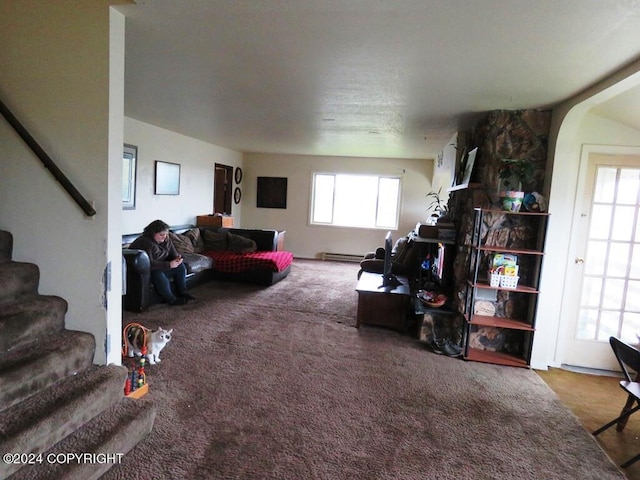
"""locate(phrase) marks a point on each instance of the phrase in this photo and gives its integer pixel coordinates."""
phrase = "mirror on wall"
(129, 166)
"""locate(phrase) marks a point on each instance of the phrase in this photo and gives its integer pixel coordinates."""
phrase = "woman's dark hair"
(154, 227)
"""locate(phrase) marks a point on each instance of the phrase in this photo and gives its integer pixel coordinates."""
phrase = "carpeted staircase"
(52, 399)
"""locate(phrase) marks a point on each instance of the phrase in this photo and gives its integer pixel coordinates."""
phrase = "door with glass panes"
(604, 280)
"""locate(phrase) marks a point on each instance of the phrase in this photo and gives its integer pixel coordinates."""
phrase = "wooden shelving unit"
(499, 322)
(522, 326)
(519, 288)
(498, 358)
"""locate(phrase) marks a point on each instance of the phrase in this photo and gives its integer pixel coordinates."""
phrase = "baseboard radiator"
(342, 257)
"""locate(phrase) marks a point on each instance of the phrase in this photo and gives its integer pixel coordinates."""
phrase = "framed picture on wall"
(468, 167)
(167, 178)
(271, 192)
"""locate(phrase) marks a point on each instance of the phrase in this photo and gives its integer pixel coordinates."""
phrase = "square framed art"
(271, 192)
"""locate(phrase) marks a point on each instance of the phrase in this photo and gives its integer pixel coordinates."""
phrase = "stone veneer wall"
(502, 134)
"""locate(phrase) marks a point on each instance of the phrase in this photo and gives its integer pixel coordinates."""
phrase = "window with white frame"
(350, 200)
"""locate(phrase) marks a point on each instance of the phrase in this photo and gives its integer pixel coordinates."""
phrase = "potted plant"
(437, 208)
(515, 174)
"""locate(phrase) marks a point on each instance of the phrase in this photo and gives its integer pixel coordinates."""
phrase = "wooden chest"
(214, 221)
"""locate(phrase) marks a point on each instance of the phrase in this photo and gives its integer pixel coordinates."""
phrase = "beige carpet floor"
(276, 383)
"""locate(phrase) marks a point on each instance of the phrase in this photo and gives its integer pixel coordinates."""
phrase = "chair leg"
(623, 421)
(630, 461)
(622, 417)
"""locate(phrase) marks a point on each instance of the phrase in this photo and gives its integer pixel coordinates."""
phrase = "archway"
(572, 127)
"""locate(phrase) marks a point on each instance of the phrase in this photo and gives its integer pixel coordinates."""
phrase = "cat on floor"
(156, 340)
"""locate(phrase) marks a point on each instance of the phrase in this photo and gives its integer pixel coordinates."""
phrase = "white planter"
(511, 200)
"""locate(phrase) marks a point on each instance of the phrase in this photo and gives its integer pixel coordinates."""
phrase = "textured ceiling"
(378, 78)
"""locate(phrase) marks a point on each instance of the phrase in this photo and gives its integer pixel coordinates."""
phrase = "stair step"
(53, 402)
(115, 431)
(18, 279)
(30, 368)
(29, 318)
(38, 423)
(6, 246)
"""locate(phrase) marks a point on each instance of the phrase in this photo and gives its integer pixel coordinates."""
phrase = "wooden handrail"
(47, 161)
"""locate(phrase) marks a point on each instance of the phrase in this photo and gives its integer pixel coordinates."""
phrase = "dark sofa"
(140, 293)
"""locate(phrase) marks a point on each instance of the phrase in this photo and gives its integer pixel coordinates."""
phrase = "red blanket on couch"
(230, 262)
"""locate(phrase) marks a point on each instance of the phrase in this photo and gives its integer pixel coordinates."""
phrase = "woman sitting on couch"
(166, 262)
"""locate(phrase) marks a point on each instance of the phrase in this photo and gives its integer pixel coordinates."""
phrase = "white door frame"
(568, 294)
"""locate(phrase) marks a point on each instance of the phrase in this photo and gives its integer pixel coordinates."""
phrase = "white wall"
(54, 75)
(572, 128)
(309, 241)
(114, 192)
(196, 159)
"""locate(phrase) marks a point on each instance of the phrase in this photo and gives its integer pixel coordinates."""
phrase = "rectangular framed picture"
(167, 180)
(129, 167)
(468, 167)
(271, 192)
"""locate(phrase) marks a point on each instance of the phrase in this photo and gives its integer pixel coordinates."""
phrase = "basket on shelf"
(498, 280)
(504, 271)
(509, 281)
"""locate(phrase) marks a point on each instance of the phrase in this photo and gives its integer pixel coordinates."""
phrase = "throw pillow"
(215, 240)
(183, 244)
(196, 239)
(240, 244)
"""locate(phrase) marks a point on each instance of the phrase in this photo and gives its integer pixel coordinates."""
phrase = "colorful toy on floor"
(136, 383)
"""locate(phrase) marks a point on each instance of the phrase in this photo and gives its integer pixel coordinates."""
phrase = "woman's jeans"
(160, 280)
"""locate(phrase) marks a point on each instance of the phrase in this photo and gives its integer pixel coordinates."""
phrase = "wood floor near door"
(596, 400)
